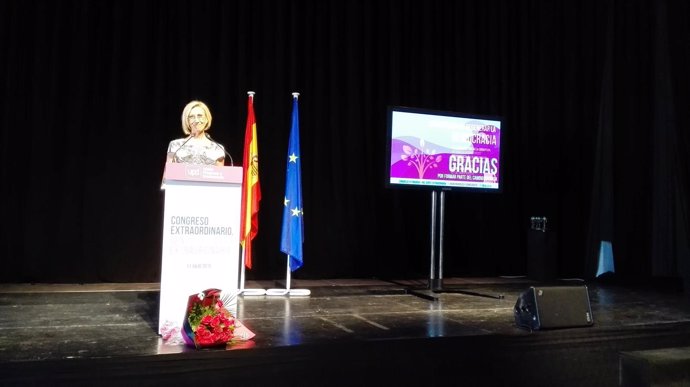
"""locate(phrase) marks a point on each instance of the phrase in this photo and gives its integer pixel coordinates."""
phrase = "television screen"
(430, 149)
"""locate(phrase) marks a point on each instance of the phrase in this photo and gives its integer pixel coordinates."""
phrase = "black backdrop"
(594, 94)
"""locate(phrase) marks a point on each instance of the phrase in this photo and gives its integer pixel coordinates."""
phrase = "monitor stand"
(435, 285)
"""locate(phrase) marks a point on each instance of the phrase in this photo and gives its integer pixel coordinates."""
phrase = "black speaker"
(551, 307)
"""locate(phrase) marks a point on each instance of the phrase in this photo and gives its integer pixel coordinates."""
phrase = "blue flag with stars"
(293, 226)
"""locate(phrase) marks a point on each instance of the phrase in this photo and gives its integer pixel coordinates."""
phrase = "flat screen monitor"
(442, 150)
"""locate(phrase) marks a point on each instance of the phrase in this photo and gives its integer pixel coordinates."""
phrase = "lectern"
(201, 228)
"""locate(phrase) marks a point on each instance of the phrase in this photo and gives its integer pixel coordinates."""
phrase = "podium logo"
(194, 172)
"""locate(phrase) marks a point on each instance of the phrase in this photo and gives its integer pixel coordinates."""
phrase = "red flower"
(209, 322)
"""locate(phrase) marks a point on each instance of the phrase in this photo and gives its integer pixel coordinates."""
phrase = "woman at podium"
(197, 147)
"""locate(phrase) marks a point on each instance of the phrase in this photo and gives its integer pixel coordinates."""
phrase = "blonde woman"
(197, 147)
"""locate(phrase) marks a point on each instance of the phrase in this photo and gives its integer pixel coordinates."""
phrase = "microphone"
(172, 158)
(219, 145)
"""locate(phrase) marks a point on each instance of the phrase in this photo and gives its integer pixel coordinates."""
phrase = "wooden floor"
(346, 333)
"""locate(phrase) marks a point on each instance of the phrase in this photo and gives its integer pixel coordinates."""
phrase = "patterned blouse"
(196, 152)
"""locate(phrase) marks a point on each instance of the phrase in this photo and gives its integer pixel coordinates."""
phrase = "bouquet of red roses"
(207, 322)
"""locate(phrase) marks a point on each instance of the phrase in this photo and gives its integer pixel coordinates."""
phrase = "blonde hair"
(188, 108)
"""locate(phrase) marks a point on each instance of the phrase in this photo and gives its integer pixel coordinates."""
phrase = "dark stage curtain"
(93, 92)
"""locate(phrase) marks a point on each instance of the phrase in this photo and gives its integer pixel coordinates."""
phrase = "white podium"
(201, 228)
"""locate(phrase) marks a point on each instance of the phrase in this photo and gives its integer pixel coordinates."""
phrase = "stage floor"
(347, 332)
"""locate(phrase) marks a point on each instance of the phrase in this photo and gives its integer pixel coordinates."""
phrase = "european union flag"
(293, 226)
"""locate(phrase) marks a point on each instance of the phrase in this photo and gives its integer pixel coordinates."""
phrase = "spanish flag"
(251, 191)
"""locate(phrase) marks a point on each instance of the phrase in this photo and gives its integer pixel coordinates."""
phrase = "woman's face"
(197, 120)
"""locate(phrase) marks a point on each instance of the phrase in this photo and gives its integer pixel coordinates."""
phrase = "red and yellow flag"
(251, 191)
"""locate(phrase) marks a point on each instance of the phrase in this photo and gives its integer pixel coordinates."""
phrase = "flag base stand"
(288, 292)
(252, 292)
(276, 292)
(300, 292)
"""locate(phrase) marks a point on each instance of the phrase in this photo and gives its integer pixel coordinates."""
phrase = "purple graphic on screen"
(418, 159)
(477, 162)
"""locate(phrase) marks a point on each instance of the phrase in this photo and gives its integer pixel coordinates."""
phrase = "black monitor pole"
(435, 286)
(437, 211)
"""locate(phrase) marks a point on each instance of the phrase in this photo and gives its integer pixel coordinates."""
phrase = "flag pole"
(242, 272)
(242, 290)
(287, 274)
(294, 292)
(292, 231)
